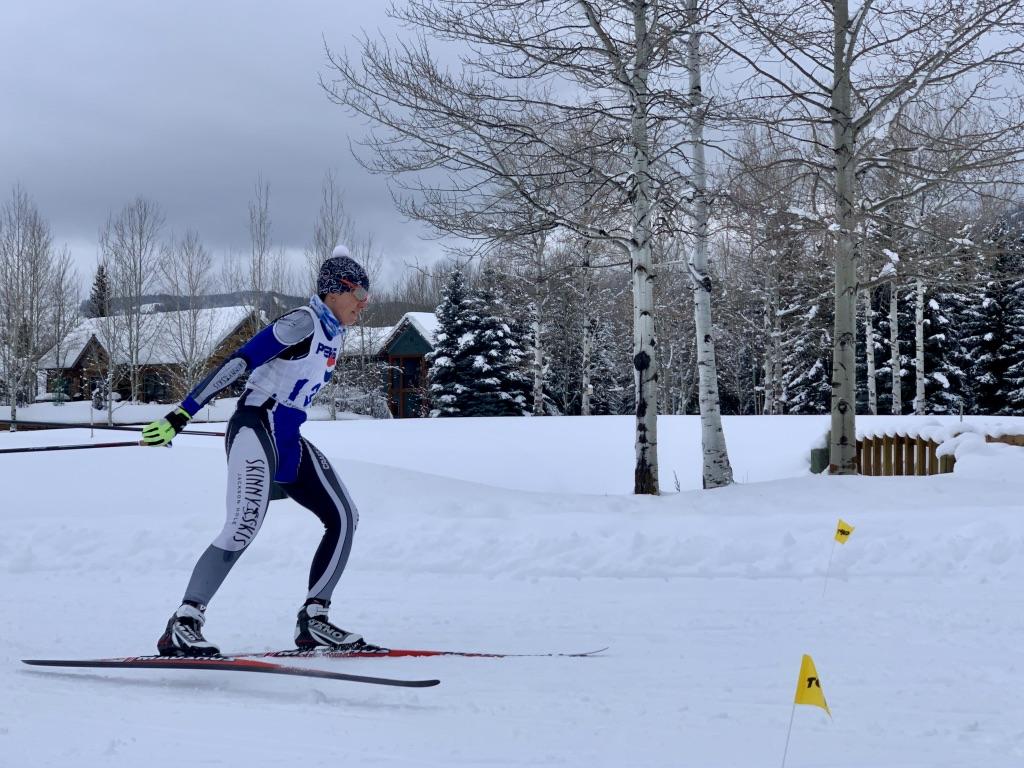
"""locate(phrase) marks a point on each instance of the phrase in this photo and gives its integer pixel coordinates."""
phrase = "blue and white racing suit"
(288, 362)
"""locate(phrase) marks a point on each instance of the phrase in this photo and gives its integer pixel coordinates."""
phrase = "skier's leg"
(318, 488)
(252, 461)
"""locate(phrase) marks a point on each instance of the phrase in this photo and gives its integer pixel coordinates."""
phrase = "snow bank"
(707, 600)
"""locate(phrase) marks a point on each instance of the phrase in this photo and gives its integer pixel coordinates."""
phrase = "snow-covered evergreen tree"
(1010, 392)
(947, 365)
(806, 336)
(807, 360)
(985, 339)
(478, 365)
(99, 296)
(499, 385)
(449, 368)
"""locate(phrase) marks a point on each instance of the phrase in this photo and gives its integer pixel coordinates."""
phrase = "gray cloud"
(185, 103)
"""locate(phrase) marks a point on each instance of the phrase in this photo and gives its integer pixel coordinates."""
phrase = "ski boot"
(313, 630)
(184, 634)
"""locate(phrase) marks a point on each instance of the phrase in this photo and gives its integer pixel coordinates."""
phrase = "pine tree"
(449, 369)
(993, 329)
(985, 340)
(1011, 353)
(806, 335)
(946, 365)
(807, 360)
(99, 298)
(1011, 389)
(499, 385)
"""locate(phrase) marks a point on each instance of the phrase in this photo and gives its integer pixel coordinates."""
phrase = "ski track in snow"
(706, 599)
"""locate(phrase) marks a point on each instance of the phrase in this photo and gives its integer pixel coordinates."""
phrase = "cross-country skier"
(287, 363)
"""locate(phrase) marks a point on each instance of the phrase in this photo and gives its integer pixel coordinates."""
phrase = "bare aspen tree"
(130, 244)
(869, 347)
(260, 246)
(505, 145)
(854, 71)
(65, 304)
(333, 226)
(587, 332)
(771, 216)
(919, 372)
(717, 471)
(27, 266)
(186, 267)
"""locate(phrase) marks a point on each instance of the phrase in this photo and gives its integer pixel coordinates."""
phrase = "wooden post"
(887, 456)
(867, 447)
(908, 455)
(897, 455)
(876, 456)
(933, 459)
(946, 463)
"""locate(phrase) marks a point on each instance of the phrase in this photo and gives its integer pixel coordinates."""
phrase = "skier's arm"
(287, 331)
(283, 333)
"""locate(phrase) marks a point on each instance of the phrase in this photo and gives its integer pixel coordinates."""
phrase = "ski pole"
(115, 428)
(33, 449)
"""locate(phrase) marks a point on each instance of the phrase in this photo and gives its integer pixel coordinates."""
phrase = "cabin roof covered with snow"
(161, 336)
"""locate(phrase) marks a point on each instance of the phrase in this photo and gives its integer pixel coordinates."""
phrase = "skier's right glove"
(162, 431)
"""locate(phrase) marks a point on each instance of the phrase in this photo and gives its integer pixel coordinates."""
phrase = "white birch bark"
(869, 353)
(894, 350)
(773, 334)
(717, 471)
(843, 441)
(587, 342)
(645, 357)
(919, 394)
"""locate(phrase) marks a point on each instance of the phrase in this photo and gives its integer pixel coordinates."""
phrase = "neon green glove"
(162, 431)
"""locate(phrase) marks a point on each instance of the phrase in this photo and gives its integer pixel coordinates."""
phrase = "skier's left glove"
(162, 431)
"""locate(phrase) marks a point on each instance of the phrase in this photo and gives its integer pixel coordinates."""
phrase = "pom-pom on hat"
(341, 266)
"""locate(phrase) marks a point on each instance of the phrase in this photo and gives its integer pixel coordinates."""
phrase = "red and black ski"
(371, 652)
(225, 664)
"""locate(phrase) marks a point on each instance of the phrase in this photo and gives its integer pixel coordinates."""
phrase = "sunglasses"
(358, 291)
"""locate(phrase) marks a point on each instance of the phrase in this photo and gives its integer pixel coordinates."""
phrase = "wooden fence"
(888, 455)
(893, 455)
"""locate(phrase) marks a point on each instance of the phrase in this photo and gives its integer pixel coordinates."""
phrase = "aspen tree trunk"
(12, 393)
(538, 367)
(772, 386)
(588, 337)
(717, 469)
(894, 350)
(645, 353)
(869, 353)
(919, 396)
(843, 443)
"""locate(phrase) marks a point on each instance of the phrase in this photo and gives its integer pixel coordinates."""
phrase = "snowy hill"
(520, 535)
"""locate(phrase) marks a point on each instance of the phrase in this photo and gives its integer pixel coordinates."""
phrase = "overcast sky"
(185, 103)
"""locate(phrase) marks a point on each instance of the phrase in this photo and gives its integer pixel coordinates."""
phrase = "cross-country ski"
(223, 664)
(398, 653)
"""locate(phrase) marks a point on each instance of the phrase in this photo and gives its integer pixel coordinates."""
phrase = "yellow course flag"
(843, 531)
(808, 687)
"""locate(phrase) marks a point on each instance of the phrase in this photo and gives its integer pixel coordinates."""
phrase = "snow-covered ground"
(520, 535)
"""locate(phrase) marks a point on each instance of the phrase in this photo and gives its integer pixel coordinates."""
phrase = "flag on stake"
(808, 691)
(808, 686)
(843, 531)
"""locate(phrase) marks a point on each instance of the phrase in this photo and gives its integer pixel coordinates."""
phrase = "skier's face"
(345, 306)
